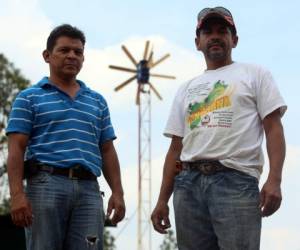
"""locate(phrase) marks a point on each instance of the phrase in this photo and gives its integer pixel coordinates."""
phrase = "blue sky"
(269, 34)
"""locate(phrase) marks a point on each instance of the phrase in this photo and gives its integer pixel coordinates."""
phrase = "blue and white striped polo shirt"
(62, 131)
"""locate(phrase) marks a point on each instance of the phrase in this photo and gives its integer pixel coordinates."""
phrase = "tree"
(169, 242)
(11, 83)
(108, 240)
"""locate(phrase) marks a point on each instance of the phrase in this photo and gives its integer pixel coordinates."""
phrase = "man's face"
(66, 58)
(215, 40)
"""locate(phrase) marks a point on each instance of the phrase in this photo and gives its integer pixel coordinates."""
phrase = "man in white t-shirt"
(217, 123)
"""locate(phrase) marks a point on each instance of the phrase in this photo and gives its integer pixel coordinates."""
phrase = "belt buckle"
(71, 174)
(207, 168)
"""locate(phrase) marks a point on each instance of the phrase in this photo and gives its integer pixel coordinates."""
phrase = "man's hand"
(160, 217)
(270, 198)
(21, 211)
(116, 205)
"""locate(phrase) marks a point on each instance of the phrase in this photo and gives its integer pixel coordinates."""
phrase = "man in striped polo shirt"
(63, 130)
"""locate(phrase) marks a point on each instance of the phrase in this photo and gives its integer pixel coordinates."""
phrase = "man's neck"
(212, 65)
(63, 82)
(69, 86)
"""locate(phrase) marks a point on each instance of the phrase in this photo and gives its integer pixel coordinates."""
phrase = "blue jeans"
(217, 212)
(68, 214)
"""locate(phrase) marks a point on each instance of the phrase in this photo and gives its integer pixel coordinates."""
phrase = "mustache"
(215, 42)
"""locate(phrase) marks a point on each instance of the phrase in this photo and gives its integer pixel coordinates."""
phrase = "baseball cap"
(219, 12)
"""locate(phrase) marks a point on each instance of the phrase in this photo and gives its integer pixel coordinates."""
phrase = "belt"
(205, 167)
(76, 172)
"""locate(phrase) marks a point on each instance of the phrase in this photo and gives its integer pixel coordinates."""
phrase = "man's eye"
(206, 31)
(223, 31)
(78, 52)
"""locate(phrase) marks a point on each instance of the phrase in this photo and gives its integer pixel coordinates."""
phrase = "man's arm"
(111, 172)
(20, 207)
(160, 214)
(271, 192)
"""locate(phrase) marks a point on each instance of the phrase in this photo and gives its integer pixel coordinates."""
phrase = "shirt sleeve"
(268, 96)
(107, 130)
(176, 120)
(21, 116)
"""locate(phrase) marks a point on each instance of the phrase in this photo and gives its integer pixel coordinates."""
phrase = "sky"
(269, 34)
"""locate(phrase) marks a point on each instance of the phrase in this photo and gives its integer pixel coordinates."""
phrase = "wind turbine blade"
(160, 60)
(125, 83)
(163, 76)
(129, 55)
(150, 59)
(138, 92)
(155, 91)
(122, 68)
(146, 50)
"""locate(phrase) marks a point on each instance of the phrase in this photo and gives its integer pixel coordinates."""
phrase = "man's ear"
(197, 43)
(235, 40)
(46, 55)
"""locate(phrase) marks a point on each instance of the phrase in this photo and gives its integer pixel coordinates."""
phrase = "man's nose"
(71, 54)
(215, 35)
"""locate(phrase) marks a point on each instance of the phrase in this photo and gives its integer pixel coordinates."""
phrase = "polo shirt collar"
(44, 82)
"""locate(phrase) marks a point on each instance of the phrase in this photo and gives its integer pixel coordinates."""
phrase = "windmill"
(143, 101)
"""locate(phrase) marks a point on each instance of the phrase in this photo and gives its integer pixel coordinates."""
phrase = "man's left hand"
(116, 205)
(270, 198)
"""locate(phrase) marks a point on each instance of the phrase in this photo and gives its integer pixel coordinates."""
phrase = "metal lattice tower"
(143, 101)
(144, 171)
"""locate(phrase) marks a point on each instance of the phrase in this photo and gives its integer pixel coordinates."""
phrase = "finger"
(277, 206)
(109, 208)
(158, 226)
(28, 216)
(261, 199)
(267, 207)
(119, 214)
(121, 211)
(13, 217)
(19, 219)
(116, 217)
(271, 207)
(28, 220)
(166, 221)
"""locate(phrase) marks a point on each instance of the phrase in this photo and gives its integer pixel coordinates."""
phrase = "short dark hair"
(64, 30)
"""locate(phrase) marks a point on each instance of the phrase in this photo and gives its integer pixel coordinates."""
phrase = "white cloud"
(183, 64)
(280, 239)
(24, 30)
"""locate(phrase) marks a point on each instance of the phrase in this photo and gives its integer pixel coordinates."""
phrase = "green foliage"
(169, 242)
(5, 207)
(11, 83)
(108, 240)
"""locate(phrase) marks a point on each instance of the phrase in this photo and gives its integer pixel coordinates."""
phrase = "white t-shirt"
(219, 115)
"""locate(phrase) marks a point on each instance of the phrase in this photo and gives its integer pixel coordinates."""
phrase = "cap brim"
(215, 15)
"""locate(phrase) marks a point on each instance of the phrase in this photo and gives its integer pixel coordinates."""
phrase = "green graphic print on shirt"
(215, 100)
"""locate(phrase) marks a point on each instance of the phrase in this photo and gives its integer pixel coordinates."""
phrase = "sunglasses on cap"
(218, 12)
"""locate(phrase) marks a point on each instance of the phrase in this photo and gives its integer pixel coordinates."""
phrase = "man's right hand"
(21, 211)
(160, 217)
